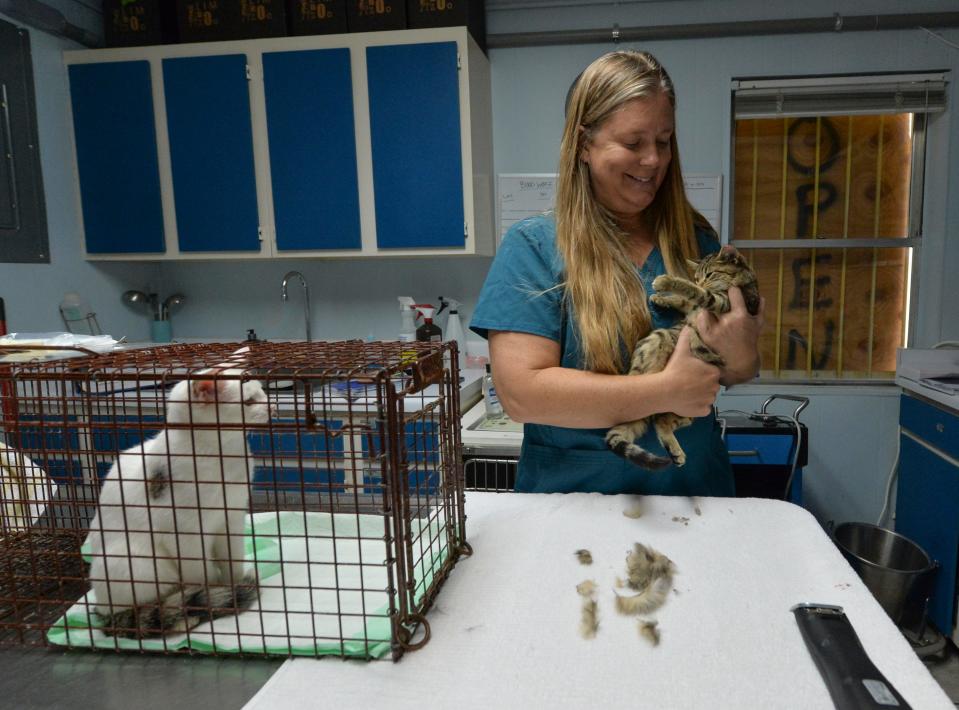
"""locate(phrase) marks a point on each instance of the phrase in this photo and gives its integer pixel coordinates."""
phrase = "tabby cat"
(713, 277)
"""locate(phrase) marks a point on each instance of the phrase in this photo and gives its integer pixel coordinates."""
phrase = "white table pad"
(505, 625)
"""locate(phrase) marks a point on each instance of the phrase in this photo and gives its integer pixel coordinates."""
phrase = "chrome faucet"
(306, 298)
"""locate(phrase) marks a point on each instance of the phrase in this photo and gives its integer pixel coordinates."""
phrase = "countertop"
(951, 401)
(915, 364)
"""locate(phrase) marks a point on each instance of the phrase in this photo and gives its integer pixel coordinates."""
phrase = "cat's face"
(725, 268)
(223, 401)
(724, 261)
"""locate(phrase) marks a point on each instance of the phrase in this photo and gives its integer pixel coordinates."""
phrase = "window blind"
(839, 95)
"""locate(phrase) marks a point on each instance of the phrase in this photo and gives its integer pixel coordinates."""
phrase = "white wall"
(355, 298)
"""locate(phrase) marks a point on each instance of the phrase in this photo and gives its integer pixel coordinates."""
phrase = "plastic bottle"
(441, 316)
(429, 331)
(73, 308)
(454, 331)
(407, 319)
(494, 410)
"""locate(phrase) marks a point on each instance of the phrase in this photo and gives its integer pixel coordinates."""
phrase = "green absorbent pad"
(322, 591)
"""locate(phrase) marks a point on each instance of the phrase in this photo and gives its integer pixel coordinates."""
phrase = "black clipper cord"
(853, 680)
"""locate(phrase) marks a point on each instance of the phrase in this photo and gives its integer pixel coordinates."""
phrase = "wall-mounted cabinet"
(323, 146)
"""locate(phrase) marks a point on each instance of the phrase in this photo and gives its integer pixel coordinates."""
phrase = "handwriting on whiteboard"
(521, 196)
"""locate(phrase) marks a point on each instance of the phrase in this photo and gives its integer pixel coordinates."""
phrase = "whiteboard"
(521, 195)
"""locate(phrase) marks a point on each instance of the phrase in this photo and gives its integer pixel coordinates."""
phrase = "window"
(23, 219)
(827, 205)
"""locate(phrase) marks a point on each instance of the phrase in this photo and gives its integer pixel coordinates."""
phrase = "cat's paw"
(662, 282)
(679, 459)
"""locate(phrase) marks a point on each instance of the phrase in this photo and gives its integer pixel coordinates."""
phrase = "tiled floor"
(946, 671)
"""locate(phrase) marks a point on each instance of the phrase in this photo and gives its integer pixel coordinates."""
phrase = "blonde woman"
(566, 298)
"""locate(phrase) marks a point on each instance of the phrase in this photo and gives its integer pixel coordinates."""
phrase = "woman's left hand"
(735, 336)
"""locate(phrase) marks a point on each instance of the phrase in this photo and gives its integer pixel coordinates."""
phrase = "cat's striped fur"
(709, 291)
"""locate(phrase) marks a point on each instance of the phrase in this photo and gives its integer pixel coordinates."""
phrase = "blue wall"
(356, 298)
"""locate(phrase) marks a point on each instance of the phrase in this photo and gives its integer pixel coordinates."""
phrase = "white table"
(505, 625)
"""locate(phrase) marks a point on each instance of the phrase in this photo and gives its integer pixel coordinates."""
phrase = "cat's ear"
(692, 265)
(203, 390)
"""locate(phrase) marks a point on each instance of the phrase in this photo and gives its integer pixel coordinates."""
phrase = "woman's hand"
(693, 384)
(735, 336)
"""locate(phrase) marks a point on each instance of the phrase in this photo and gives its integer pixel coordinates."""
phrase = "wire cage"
(256, 498)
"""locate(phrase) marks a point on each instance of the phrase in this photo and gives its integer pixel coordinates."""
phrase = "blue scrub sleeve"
(520, 292)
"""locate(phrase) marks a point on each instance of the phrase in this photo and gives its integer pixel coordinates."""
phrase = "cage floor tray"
(323, 591)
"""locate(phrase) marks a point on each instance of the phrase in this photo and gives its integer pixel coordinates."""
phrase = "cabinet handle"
(747, 452)
(940, 427)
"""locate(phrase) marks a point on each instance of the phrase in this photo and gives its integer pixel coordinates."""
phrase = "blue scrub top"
(519, 295)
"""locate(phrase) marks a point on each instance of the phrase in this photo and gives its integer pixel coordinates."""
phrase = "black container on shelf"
(135, 23)
(375, 15)
(316, 17)
(449, 13)
(217, 20)
(207, 20)
(260, 18)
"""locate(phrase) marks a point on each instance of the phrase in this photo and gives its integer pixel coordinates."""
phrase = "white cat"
(167, 540)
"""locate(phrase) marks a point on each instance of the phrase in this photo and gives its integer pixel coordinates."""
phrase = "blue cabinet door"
(926, 503)
(115, 136)
(309, 113)
(416, 144)
(211, 153)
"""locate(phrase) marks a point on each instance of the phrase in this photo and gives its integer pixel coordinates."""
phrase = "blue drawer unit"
(293, 479)
(422, 445)
(931, 423)
(309, 108)
(109, 435)
(299, 460)
(116, 148)
(62, 470)
(927, 496)
(51, 447)
(112, 435)
(415, 138)
(211, 153)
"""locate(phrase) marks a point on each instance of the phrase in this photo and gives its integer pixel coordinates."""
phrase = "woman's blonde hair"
(602, 288)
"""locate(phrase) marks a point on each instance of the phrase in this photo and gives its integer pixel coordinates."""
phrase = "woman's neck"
(640, 238)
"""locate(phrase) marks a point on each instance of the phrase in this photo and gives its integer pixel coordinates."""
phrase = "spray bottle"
(429, 331)
(454, 331)
(407, 319)
(441, 316)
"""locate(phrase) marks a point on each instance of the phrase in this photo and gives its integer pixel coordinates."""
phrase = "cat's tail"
(621, 443)
(182, 610)
(648, 600)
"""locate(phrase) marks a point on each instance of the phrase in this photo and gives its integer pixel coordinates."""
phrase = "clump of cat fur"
(650, 573)
(589, 611)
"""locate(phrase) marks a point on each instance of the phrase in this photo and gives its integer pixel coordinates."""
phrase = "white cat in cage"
(167, 540)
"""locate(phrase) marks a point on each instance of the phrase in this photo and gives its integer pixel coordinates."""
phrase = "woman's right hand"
(693, 384)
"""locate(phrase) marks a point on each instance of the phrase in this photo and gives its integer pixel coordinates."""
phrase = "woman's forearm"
(533, 388)
(577, 399)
